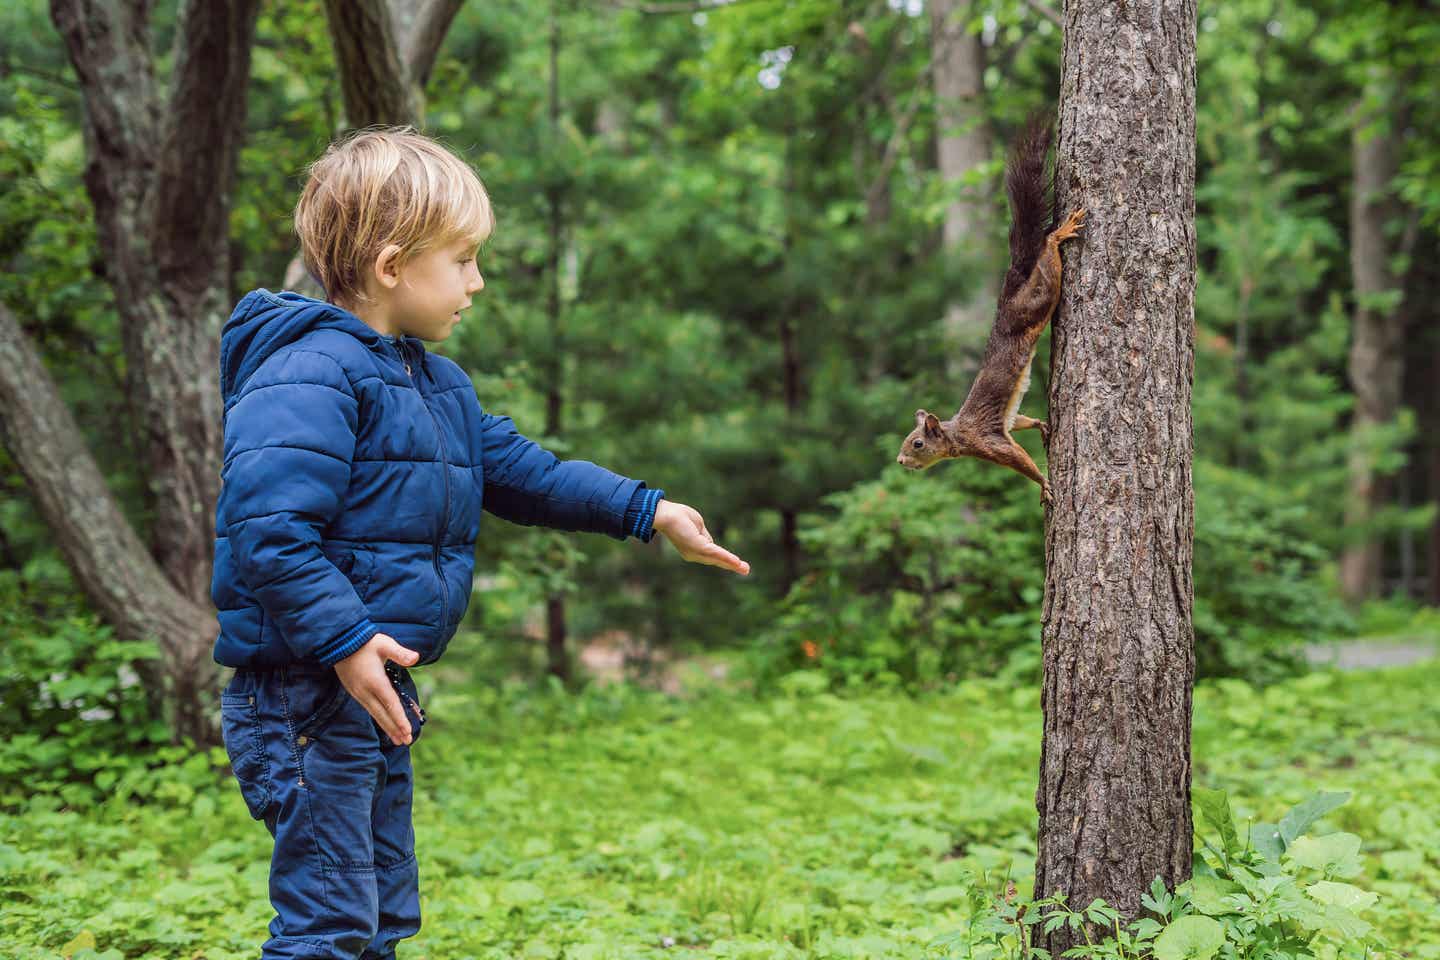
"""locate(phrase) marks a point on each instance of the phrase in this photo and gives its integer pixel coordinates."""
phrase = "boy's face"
(424, 298)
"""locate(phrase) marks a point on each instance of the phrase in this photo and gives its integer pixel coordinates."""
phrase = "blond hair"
(379, 186)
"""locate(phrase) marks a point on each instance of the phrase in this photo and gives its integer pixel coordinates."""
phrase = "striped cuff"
(640, 513)
(347, 643)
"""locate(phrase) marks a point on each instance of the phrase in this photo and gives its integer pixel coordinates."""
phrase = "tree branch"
(421, 27)
(204, 123)
(120, 578)
(374, 81)
(109, 49)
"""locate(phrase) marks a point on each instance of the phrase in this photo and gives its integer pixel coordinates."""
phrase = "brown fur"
(981, 427)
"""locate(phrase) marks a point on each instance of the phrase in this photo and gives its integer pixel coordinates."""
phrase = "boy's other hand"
(363, 674)
(685, 529)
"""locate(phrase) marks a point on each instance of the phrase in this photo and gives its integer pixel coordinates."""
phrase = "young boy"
(356, 465)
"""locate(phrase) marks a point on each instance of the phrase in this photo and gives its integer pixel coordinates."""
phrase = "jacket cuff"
(640, 513)
(347, 643)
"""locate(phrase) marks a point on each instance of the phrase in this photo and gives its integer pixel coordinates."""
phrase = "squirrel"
(981, 427)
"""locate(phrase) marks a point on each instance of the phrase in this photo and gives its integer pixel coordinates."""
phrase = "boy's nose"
(478, 283)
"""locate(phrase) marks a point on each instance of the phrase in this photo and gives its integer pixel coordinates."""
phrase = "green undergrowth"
(623, 824)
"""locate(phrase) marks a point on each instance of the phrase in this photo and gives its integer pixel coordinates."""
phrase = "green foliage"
(917, 579)
(76, 725)
(1261, 580)
(804, 824)
(750, 292)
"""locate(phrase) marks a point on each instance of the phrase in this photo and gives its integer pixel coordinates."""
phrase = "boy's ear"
(387, 274)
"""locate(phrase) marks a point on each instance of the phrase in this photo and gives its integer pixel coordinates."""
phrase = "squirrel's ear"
(920, 416)
(932, 424)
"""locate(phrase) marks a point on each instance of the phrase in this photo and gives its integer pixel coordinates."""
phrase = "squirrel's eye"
(919, 444)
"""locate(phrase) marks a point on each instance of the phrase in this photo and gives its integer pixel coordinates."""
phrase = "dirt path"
(1367, 654)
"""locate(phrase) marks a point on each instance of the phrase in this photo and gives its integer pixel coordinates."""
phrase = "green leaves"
(1342, 895)
(1190, 938)
(1304, 814)
(1215, 810)
(1335, 855)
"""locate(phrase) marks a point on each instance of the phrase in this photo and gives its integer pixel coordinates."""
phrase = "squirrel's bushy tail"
(1032, 212)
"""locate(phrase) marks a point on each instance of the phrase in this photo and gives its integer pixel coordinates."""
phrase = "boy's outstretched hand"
(363, 674)
(685, 529)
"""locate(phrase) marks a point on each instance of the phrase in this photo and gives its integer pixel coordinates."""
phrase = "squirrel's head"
(925, 444)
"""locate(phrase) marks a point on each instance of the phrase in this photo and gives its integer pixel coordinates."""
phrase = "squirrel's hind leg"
(1023, 422)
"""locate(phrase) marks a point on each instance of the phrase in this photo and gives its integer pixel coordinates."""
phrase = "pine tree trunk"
(1114, 792)
(962, 145)
(1377, 340)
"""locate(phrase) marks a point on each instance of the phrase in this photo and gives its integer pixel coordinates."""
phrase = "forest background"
(732, 256)
(738, 244)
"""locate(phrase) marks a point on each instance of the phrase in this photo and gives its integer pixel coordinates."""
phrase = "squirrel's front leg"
(1008, 453)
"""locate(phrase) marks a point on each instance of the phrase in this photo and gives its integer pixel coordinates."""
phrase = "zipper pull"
(407, 369)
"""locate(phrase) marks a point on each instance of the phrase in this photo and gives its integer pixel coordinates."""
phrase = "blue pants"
(335, 793)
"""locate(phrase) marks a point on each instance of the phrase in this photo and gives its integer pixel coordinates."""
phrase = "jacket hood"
(264, 322)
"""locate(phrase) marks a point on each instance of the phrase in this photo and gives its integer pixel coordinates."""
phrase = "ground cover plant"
(622, 823)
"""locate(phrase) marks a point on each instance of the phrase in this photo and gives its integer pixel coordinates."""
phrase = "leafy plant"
(1276, 895)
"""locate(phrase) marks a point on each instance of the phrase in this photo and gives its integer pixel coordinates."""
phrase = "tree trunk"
(123, 582)
(1114, 793)
(159, 176)
(1432, 592)
(1376, 346)
(385, 50)
(159, 172)
(555, 633)
(962, 147)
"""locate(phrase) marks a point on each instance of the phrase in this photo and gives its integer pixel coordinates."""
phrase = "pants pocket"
(313, 700)
(240, 729)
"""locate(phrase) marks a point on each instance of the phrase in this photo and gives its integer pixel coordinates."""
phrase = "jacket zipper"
(445, 514)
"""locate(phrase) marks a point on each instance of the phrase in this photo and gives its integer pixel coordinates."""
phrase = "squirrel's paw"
(1071, 227)
(1045, 496)
(1044, 429)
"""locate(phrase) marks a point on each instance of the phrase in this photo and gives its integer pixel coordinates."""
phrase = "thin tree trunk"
(1114, 792)
(963, 146)
(1376, 346)
(1432, 595)
(555, 642)
(789, 372)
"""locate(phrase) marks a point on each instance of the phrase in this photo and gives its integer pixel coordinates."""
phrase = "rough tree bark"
(123, 582)
(159, 171)
(962, 146)
(1378, 327)
(1114, 793)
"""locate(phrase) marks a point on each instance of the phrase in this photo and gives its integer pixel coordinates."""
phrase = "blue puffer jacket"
(355, 470)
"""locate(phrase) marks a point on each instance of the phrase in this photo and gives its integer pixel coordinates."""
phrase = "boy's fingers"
(715, 554)
(400, 732)
(384, 706)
